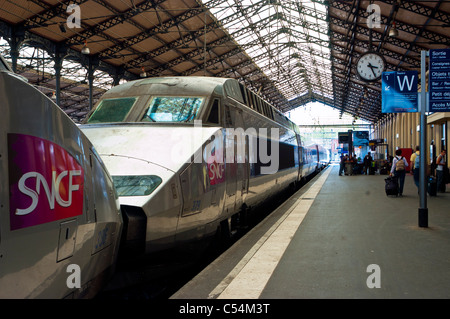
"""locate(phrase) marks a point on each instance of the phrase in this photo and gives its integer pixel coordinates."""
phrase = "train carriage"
(60, 220)
(190, 154)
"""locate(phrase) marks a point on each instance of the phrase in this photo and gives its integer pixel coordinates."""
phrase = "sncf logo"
(51, 194)
(46, 182)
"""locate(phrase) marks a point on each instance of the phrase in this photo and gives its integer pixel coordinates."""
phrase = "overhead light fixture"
(143, 73)
(85, 49)
(393, 32)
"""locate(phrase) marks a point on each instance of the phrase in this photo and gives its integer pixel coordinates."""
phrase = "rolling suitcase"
(391, 186)
(432, 186)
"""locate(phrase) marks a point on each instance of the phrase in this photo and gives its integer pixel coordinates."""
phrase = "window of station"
(112, 110)
(173, 109)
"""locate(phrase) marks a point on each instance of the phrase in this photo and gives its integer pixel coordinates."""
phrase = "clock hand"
(372, 67)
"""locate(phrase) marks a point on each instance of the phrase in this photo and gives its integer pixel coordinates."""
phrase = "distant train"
(60, 219)
(191, 156)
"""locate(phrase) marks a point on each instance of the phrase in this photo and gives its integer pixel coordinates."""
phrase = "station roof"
(291, 52)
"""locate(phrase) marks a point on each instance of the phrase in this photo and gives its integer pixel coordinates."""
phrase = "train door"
(236, 159)
(300, 157)
(230, 162)
(103, 198)
(241, 157)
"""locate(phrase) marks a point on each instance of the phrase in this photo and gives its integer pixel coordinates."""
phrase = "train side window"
(270, 113)
(244, 93)
(228, 119)
(258, 105)
(213, 116)
(250, 100)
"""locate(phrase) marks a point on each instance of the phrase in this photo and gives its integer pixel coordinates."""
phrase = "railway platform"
(337, 237)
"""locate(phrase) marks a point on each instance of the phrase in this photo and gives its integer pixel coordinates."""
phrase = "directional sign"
(399, 92)
(439, 80)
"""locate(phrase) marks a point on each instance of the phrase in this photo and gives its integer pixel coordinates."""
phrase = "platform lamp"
(85, 49)
(143, 73)
(393, 32)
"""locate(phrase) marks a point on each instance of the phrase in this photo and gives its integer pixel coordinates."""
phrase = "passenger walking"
(440, 163)
(342, 164)
(415, 164)
(367, 163)
(398, 169)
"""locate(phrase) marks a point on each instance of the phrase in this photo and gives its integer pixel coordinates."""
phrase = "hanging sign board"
(399, 92)
(439, 80)
(360, 138)
(343, 137)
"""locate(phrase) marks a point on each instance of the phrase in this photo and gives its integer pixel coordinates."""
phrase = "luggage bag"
(391, 186)
(432, 186)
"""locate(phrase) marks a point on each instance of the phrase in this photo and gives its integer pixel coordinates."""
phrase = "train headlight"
(136, 185)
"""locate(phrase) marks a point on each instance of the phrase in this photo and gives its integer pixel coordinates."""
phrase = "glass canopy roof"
(287, 39)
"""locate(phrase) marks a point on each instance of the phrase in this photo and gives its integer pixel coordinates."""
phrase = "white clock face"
(370, 66)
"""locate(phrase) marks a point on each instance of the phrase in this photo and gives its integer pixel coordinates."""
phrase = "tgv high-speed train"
(190, 156)
(60, 219)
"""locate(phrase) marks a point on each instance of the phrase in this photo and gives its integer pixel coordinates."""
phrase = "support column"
(58, 66)
(15, 43)
(117, 76)
(91, 68)
(423, 209)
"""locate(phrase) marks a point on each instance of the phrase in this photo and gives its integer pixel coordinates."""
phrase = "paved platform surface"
(337, 237)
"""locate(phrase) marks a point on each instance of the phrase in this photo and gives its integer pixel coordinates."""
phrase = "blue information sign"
(360, 138)
(439, 80)
(399, 92)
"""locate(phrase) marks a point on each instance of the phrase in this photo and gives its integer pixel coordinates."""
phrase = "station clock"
(370, 66)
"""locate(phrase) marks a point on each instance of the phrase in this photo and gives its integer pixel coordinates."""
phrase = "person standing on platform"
(440, 163)
(414, 160)
(398, 170)
(342, 164)
(367, 163)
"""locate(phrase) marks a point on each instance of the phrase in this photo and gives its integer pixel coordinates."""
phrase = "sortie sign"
(439, 80)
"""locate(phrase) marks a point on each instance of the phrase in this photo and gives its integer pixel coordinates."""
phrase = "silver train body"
(189, 155)
(60, 219)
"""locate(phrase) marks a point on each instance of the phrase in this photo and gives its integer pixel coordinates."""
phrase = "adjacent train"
(60, 219)
(191, 156)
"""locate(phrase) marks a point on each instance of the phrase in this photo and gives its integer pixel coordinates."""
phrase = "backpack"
(417, 161)
(400, 165)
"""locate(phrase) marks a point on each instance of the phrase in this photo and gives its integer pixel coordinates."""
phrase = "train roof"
(166, 84)
(199, 85)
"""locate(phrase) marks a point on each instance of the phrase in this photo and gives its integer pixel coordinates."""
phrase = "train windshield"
(112, 110)
(172, 109)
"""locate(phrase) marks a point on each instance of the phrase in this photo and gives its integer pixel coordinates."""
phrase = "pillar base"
(423, 217)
